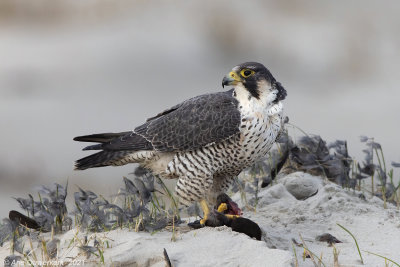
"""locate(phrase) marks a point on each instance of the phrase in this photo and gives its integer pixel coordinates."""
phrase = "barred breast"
(212, 168)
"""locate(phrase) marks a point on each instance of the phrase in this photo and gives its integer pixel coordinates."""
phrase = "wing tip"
(78, 166)
(93, 147)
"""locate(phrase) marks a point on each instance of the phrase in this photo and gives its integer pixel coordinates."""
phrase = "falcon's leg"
(206, 211)
(193, 189)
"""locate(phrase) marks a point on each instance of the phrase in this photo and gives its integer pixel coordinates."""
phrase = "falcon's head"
(255, 78)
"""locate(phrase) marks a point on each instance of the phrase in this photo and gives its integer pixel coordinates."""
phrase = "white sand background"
(281, 217)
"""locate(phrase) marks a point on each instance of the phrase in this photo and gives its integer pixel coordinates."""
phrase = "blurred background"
(70, 68)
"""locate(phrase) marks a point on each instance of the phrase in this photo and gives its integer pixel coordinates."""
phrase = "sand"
(281, 217)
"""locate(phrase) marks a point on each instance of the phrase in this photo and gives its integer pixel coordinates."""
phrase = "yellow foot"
(203, 221)
(230, 216)
(223, 207)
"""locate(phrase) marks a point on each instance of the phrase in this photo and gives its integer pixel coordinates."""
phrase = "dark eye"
(247, 73)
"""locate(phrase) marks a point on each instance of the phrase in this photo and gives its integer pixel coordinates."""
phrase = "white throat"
(249, 102)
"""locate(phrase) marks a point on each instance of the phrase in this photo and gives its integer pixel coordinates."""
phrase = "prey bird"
(205, 141)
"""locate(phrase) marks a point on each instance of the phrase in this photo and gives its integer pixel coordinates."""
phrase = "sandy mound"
(204, 247)
(282, 217)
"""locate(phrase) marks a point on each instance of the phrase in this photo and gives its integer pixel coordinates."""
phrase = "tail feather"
(115, 147)
(93, 147)
(99, 138)
(100, 159)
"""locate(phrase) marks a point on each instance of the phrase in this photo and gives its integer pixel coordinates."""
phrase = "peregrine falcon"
(205, 141)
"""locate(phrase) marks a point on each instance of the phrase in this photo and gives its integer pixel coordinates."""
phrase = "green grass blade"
(355, 240)
(383, 257)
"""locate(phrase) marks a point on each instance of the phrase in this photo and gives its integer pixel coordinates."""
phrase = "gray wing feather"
(195, 123)
(164, 112)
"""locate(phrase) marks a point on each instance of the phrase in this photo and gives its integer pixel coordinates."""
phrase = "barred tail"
(116, 149)
(101, 159)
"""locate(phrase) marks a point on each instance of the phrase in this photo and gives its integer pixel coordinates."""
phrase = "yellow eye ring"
(246, 73)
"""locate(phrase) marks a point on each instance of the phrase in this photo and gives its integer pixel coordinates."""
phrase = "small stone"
(328, 238)
(12, 260)
(302, 185)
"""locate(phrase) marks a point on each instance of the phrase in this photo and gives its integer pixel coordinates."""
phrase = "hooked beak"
(230, 79)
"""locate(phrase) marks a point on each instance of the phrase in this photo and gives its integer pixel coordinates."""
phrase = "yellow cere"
(234, 76)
